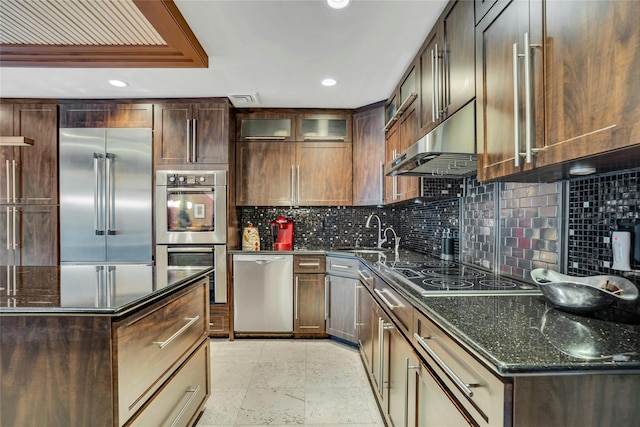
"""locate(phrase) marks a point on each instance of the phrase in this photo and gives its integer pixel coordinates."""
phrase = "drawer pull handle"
(194, 392)
(466, 388)
(163, 344)
(344, 267)
(386, 301)
(309, 264)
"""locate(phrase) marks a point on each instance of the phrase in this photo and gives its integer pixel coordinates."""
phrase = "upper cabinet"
(557, 82)
(323, 127)
(265, 126)
(191, 133)
(368, 155)
(31, 170)
(447, 65)
(105, 115)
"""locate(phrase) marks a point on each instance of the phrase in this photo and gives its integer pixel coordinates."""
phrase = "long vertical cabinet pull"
(8, 182)
(188, 140)
(296, 301)
(407, 368)
(297, 185)
(381, 182)
(13, 169)
(326, 297)
(516, 103)
(15, 242)
(194, 142)
(433, 85)
(438, 86)
(355, 307)
(380, 353)
(291, 192)
(7, 229)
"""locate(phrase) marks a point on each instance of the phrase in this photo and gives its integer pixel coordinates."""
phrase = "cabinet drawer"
(308, 264)
(148, 345)
(395, 304)
(178, 401)
(481, 393)
(345, 267)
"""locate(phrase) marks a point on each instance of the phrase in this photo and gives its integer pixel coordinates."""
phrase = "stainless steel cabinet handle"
(194, 392)
(528, 96)
(190, 249)
(8, 182)
(324, 138)
(15, 244)
(433, 86)
(296, 301)
(194, 142)
(297, 184)
(13, 168)
(386, 301)
(189, 190)
(340, 266)
(326, 297)
(456, 379)
(516, 103)
(188, 141)
(364, 276)
(437, 79)
(381, 182)
(109, 194)
(265, 138)
(163, 344)
(380, 353)
(8, 229)
(309, 264)
(293, 202)
(407, 367)
(355, 306)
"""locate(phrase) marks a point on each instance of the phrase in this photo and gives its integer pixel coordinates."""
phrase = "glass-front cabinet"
(324, 127)
(265, 127)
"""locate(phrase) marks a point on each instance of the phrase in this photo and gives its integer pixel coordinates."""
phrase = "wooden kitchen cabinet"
(195, 133)
(335, 126)
(265, 126)
(368, 155)
(391, 151)
(582, 80)
(300, 174)
(408, 187)
(309, 296)
(447, 65)
(105, 115)
(32, 234)
(32, 170)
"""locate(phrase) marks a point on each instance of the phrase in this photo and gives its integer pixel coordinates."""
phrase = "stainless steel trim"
(295, 304)
(265, 138)
(194, 392)
(188, 141)
(386, 301)
(461, 384)
(516, 102)
(163, 344)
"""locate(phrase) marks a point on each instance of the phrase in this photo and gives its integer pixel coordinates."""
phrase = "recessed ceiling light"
(329, 82)
(338, 4)
(118, 83)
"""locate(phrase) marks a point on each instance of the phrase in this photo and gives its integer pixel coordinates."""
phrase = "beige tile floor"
(278, 382)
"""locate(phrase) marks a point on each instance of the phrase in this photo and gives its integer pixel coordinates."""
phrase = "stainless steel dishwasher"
(262, 293)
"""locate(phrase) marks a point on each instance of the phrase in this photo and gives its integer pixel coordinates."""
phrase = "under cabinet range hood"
(447, 151)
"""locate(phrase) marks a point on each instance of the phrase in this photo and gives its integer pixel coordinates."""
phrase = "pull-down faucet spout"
(381, 239)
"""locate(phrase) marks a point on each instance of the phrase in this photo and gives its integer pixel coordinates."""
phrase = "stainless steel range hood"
(447, 151)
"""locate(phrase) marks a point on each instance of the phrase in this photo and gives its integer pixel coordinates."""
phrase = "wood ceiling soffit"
(181, 48)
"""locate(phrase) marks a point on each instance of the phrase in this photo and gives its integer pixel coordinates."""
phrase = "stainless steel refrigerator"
(105, 195)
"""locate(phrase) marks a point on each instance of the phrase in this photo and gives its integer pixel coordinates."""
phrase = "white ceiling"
(278, 49)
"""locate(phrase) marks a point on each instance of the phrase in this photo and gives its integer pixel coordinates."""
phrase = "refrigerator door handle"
(8, 229)
(13, 164)
(8, 183)
(109, 195)
(96, 195)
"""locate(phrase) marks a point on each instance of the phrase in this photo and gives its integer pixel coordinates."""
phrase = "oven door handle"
(191, 249)
(189, 189)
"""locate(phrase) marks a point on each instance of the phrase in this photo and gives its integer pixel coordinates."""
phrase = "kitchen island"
(103, 345)
(517, 360)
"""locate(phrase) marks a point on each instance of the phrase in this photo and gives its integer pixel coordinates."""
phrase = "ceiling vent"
(246, 100)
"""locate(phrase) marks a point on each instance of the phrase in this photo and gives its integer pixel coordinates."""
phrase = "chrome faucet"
(396, 239)
(381, 240)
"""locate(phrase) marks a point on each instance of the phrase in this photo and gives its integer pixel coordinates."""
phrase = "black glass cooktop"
(436, 277)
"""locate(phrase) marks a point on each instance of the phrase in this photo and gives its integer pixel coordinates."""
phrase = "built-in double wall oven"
(191, 224)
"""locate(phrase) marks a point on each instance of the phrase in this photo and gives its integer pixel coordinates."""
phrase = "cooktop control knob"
(172, 179)
(181, 178)
(203, 179)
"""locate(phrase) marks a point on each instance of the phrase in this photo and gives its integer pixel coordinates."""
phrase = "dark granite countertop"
(111, 290)
(522, 335)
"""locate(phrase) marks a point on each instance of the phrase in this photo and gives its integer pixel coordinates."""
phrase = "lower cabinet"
(341, 321)
(309, 311)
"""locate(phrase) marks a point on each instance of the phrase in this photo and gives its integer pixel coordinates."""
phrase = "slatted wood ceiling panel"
(76, 22)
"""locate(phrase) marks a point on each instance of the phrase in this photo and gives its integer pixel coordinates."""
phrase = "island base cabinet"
(179, 401)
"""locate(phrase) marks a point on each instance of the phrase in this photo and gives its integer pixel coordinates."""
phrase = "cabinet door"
(459, 56)
(430, 66)
(309, 311)
(32, 234)
(400, 358)
(324, 127)
(37, 170)
(590, 59)
(408, 187)
(265, 172)
(323, 174)
(172, 133)
(265, 126)
(211, 133)
(495, 123)
(391, 150)
(368, 152)
(106, 115)
(342, 308)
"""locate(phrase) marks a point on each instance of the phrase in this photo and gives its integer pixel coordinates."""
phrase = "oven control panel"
(191, 178)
